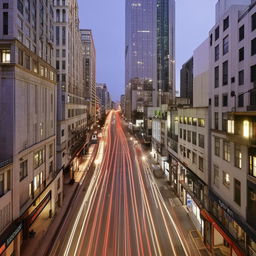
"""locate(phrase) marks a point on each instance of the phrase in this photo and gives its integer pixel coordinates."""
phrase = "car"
(94, 138)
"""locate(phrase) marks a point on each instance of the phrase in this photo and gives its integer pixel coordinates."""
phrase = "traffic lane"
(69, 231)
(168, 233)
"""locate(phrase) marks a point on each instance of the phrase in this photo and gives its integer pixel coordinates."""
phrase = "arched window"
(63, 2)
(64, 15)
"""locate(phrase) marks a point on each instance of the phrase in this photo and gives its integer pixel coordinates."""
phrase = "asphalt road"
(122, 212)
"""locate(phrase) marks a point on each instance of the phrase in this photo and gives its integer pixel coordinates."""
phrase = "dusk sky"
(194, 18)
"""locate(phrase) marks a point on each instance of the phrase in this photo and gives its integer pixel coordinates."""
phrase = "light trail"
(123, 211)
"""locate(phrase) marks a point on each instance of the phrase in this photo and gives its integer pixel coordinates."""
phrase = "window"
(190, 120)
(6, 56)
(217, 146)
(201, 163)
(5, 5)
(241, 54)
(194, 138)
(241, 77)
(224, 122)
(217, 33)
(253, 73)
(216, 120)
(57, 35)
(246, 129)
(50, 150)
(201, 140)
(217, 52)
(188, 153)
(63, 15)
(5, 23)
(241, 33)
(57, 64)
(180, 133)
(2, 184)
(253, 46)
(225, 45)
(226, 179)
(27, 61)
(241, 100)
(194, 121)
(237, 191)
(194, 158)
(225, 100)
(63, 78)
(38, 158)
(51, 167)
(216, 77)
(238, 156)
(57, 53)
(20, 57)
(62, 133)
(63, 65)
(226, 151)
(216, 175)
(63, 35)
(253, 21)
(216, 100)
(225, 23)
(211, 40)
(201, 122)
(184, 134)
(189, 136)
(23, 170)
(63, 53)
(252, 169)
(231, 126)
(225, 73)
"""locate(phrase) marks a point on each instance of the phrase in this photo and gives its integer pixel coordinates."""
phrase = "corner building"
(233, 136)
(29, 180)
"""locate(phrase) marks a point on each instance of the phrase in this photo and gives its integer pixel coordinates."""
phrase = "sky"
(106, 18)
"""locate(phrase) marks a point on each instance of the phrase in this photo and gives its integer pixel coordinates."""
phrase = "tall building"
(233, 136)
(72, 109)
(149, 55)
(166, 51)
(29, 180)
(186, 80)
(89, 73)
(102, 93)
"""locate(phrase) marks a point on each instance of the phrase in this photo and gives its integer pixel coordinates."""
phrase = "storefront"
(10, 239)
(191, 193)
(224, 229)
(34, 211)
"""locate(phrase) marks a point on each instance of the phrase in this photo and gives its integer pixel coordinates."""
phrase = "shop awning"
(210, 219)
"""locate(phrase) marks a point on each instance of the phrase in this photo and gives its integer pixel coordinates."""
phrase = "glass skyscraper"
(149, 53)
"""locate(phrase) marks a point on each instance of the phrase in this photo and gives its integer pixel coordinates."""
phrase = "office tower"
(149, 55)
(186, 80)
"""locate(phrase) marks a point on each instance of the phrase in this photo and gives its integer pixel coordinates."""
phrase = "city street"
(122, 212)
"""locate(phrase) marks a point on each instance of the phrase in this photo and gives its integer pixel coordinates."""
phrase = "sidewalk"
(46, 227)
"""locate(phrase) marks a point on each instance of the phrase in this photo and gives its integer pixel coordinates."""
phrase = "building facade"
(233, 99)
(89, 69)
(72, 109)
(28, 119)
